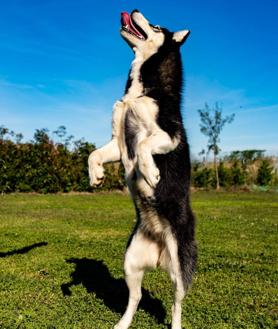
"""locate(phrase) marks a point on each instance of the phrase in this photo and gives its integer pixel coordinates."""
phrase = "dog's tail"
(189, 263)
(187, 248)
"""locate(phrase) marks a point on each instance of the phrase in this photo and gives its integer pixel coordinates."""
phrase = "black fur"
(130, 135)
(128, 82)
(172, 192)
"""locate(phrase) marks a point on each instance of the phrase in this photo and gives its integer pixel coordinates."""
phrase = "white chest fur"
(136, 89)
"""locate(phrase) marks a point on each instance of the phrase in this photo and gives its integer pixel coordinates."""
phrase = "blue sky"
(64, 63)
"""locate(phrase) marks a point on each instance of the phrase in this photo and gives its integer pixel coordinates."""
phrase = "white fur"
(180, 36)
(144, 253)
(108, 153)
(141, 254)
(172, 265)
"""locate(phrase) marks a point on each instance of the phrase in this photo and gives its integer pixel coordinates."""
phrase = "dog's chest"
(133, 131)
(138, 122)
(132, 121)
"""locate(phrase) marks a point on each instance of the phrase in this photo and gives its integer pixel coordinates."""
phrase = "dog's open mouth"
(130, 26)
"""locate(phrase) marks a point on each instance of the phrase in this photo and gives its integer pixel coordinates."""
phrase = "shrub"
(204, 177)
(265, 175)
(45, 166)
(224, 175)
(237, 175)
(48, 167)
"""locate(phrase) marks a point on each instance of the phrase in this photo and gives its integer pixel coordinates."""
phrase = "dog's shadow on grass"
(23, 250)
(95, 277)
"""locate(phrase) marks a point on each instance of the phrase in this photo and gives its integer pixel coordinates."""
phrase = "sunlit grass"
(61, 263)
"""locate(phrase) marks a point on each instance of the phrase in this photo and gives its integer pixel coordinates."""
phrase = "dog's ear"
(180, 36)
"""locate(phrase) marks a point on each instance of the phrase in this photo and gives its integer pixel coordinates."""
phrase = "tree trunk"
(216, 172)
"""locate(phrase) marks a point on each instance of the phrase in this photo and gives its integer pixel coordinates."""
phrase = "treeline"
(49, 165)
(248, 168)
(54, 162)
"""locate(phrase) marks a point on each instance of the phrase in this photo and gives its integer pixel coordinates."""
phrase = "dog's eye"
(156, 28)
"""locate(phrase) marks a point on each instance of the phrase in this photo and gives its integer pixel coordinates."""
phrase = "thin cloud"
(85, 109)
(247, 131)
(268, 108)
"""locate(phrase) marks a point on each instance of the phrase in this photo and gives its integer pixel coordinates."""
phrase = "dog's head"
(148, 38)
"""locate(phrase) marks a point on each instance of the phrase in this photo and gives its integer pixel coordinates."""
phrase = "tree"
(63, 136)
(237, 175)
(45, 166)
(3, 132)
(41, 136)
(264, 173)
(212, 123)
(246, 157)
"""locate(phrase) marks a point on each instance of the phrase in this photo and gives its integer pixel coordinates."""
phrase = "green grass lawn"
(61, 263)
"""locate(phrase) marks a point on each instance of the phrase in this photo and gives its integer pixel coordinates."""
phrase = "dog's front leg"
(109, 152)
(158, 143)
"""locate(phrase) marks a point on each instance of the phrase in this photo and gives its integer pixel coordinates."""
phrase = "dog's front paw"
(96, 170)
(150, 173)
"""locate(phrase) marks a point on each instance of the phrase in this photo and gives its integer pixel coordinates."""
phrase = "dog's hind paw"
(118, 326)
(150, 173)
(153, 177)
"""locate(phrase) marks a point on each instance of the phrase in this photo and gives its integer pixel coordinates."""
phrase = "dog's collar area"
(130, 26)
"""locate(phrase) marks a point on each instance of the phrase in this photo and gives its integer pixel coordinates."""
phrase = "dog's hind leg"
(171, 264)
(141, 253)
(159, 142)
(179, 294)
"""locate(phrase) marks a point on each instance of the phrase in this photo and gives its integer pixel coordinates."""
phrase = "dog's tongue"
(125, 18)
(127, 21)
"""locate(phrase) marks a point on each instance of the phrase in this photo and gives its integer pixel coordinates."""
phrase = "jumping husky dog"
(149, 138)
